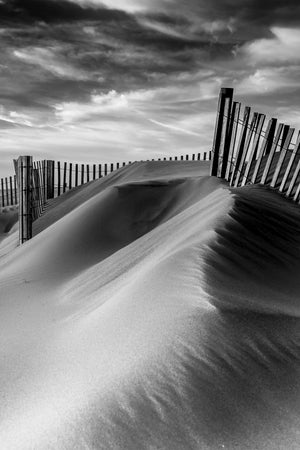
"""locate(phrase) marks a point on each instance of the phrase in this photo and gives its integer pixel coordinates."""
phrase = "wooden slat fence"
(36, 182)
(8, 191)
(251, 150)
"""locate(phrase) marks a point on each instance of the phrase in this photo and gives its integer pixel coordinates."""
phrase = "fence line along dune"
(156, 308)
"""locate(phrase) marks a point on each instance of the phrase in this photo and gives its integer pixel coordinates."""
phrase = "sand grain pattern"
(153, 309)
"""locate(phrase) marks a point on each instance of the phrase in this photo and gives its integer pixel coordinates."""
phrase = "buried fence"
(36, 182)
(246, 151)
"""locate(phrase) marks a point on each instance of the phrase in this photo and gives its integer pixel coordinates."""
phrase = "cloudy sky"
(118, 80)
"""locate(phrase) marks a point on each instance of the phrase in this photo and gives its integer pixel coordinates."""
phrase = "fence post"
(265, 147)
(293, 156)
(234, 121)
(282, 156)
(6, 191)
(241, 145)
(240, 171)
(50, 178)
(15, 189)
(65, 178)
(76, 175)
(220, 145)
(58, 178)
(70, 175)
(281, 130)
(2, 192)
(25, 198)
(253, 154)
(82, 174)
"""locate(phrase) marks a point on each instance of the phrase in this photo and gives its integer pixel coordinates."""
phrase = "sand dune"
(8, 221)
(154, 309)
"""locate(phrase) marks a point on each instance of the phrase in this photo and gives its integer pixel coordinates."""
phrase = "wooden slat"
(6, 191)
(94, 171)
(100, 170)
(87, 173)
(221, 130)
(42, 186)
(2, 192)
(241, 144)
(11, 191)
(70, 175)
(33, 194)
(111, 167)
(65, 177)
(249, 138)
(58, 178)
(25, 201)
(258, 129)
(296, 173)
(282, 156)
(15, 189)
(293, 180)
(280, 131)
(76, 175)
(40, 190)
(264, 148)
(82, 174)
(233, 127)
(287, 172)
(105, 169)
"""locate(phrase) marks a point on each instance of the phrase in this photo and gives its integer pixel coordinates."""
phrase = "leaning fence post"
(265, 148)
(282, 156)
(220, 145)
(255, 144)
(25, 198)
(282, 130)
(241, 145)
(292, 159)
(234, 121)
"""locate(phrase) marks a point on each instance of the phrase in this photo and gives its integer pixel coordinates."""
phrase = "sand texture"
(153, 309)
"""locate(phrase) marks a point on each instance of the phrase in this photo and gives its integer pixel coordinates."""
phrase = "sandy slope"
(8, 221)
(155, 309)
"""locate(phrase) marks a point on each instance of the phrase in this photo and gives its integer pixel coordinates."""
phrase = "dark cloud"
(252, 18)
(55, 11)
(60, 51)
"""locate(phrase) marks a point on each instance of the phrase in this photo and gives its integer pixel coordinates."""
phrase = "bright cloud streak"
(49, 61)
(282, 48)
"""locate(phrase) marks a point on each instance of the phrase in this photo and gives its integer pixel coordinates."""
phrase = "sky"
(118, 80)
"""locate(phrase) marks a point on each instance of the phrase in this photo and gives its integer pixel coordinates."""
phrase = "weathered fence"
(8, 191)
(246, 152)
(40, 181)
(67, 175)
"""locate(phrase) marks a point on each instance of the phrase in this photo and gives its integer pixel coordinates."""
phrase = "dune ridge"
(155, 309)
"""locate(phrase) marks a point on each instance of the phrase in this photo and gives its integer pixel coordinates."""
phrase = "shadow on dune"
(252, 277)
(254, 262)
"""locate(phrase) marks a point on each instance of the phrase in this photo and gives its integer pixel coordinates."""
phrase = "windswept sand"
(153, 309)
